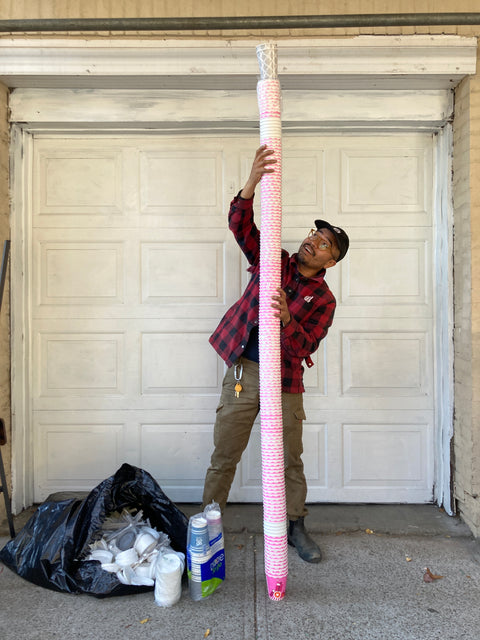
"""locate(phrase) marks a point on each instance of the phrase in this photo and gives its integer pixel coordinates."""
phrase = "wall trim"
(193, 109)
(361, 62)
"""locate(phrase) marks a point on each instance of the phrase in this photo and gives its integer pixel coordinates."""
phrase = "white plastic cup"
(214, 522)
(126, 558)
(144, 543)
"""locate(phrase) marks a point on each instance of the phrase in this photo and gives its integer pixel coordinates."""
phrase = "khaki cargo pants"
(233, 425)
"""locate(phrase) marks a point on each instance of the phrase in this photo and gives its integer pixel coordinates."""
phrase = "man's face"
(318, 251)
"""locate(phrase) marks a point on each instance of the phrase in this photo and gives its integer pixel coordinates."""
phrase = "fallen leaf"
(207, 633)
(428, 576)
(144, 620)
(408, 559)
(369, 531)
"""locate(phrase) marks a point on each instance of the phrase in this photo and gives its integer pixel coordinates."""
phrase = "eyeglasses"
(320, 242)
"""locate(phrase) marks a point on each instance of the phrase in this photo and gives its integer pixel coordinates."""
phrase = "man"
(305, 307)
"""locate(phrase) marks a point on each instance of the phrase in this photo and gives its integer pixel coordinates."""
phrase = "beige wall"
(466, 177)
(44, 9)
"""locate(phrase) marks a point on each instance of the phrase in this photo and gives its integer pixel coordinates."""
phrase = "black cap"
(340, 237)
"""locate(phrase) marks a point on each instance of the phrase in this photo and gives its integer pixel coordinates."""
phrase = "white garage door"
(132, 267)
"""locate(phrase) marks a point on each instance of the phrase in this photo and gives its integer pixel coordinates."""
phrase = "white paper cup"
(144, 570)
(126, 558)
(101, 555)
(151, 531)
(144, 543)
(111, 567)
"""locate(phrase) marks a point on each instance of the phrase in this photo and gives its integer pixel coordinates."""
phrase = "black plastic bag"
(48, 551)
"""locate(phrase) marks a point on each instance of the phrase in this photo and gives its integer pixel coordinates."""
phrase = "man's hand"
(280, 306)
(261, 164)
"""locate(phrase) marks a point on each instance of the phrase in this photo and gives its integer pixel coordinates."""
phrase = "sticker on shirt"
(308, 298)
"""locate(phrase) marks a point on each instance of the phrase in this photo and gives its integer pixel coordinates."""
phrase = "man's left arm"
(301, 338)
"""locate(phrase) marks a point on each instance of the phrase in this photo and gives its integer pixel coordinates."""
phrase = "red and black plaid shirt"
(310, 302)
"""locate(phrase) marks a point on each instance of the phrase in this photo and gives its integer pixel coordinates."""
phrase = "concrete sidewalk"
(365, 588)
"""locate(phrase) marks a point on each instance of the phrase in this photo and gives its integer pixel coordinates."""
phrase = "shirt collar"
(318, 277)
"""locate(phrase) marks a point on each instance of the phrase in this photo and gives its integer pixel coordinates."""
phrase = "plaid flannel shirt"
(310, 302)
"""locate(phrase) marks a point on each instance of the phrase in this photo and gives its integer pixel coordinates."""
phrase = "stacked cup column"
(273, 478)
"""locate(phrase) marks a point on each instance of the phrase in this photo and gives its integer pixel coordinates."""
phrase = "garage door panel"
(80, 273)
(163, 175)
(77, 454)
(386, 455)
(77, 183)
(401, 280)
(177, 455)
(385, 363)
(80, 364)
(181, 361)
(170, 271)
(383, 180)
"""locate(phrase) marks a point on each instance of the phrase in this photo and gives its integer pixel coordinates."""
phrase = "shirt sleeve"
(302, 339)
(243, 227)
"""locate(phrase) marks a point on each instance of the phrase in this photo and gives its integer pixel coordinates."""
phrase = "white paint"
(363, 62)
(444, 315)
(239, 109)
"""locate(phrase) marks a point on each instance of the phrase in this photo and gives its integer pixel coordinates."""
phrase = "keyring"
(238, 376)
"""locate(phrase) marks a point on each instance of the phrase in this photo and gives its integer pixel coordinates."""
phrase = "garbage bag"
(50, 550)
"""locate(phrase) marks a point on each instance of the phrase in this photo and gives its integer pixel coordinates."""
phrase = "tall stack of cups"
(198, 553)
(168, 578)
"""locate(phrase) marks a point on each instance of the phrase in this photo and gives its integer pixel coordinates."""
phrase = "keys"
(237, 374)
